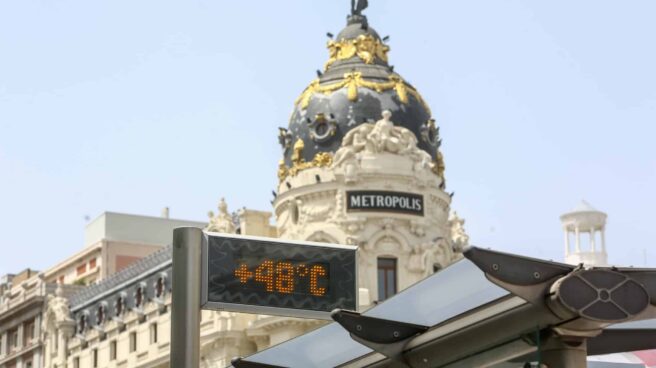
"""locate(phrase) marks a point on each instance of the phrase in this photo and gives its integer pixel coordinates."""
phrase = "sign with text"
(266, 276)
(379, 200)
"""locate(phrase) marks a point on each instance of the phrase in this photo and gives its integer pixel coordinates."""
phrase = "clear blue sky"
(131, 106)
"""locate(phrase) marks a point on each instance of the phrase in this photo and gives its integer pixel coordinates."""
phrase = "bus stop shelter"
(490, 309)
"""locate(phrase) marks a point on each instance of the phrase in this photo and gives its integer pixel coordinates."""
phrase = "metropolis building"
(360, 165)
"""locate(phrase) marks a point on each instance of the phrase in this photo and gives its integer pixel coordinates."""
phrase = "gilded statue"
(321, 159)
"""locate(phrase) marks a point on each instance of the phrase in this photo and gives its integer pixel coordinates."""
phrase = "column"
(21, 331)
(566, 241)
(592, 239)
(37, 327)
(3, 344)
(578, 238)
(603, 240)
(66, 329)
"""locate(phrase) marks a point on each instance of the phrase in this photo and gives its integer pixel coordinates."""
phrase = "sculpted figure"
(459, 237)
(353, 142)
(222, 222)
(382, 137)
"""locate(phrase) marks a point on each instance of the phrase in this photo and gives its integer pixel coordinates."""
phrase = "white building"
(361, 165)
(588, 228)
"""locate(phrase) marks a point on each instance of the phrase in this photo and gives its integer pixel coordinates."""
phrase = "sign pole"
(185, 298)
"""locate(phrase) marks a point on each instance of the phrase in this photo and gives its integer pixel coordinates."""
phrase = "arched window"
(160, 287)
(386, 277)
(82, 323)
(100, 314)
(119, 306)
(139, 296)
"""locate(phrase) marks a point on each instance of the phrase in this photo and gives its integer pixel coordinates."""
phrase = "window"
(138, 297)
(119, 305)
(76, 362)
(81, 269)
(82, 323)
(112, 350)
(12, 335)
(92, 264)
(100, 314)
(94, 358)
(133, 342)
(159, 287)
(28, 332)
(386, 278)
(61, 279)
(153, 333)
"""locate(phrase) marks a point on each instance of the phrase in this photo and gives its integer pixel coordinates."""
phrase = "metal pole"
(561, 352)
(185, 298)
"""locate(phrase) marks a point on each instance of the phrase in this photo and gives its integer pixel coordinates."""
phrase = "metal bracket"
(528, 278)
(239, 362)
(386, 337)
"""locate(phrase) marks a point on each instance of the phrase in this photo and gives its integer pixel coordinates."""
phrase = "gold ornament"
(282, 170)
(366, 47)
(321, 159)
(352, 81)
(439, 167)
(297, 154)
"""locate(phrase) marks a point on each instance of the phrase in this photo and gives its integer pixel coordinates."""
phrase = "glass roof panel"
(446, 294)
(453, 291)
(326, 347)
(644, 324)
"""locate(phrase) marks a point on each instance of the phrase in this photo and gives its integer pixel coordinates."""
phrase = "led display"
(268, 276)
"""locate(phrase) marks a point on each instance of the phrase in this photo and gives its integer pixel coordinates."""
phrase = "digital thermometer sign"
(267, 276)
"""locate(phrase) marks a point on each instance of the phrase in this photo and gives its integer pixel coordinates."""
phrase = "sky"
(131, 106)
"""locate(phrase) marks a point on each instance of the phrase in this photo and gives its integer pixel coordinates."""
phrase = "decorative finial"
(59, 292)
(387, 115)
(357, 6)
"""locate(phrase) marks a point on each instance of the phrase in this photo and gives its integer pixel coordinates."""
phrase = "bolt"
(358, 327)
(495, 267)
(536, 275)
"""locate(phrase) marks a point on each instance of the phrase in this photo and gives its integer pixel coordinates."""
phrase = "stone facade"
(312, 205)
(360, 165)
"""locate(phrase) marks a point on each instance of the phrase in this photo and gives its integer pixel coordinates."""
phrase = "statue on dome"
(357, 6)
(381, 137)
(222, 222)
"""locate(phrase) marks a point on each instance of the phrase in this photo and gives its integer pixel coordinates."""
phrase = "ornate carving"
(459, 237)
(354, 80)
(365, 46)
(222, 222)
(383, 136)
(317, 212)
(57, 311)
(321, 159)
(283, 171)
(427, 255)
(284, 138)
(430, 133)
(439, 167)
(323, 129)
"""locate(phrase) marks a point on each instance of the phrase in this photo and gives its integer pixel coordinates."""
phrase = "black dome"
(356, 87)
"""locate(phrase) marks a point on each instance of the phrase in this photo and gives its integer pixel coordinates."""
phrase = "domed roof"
(357, 85)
